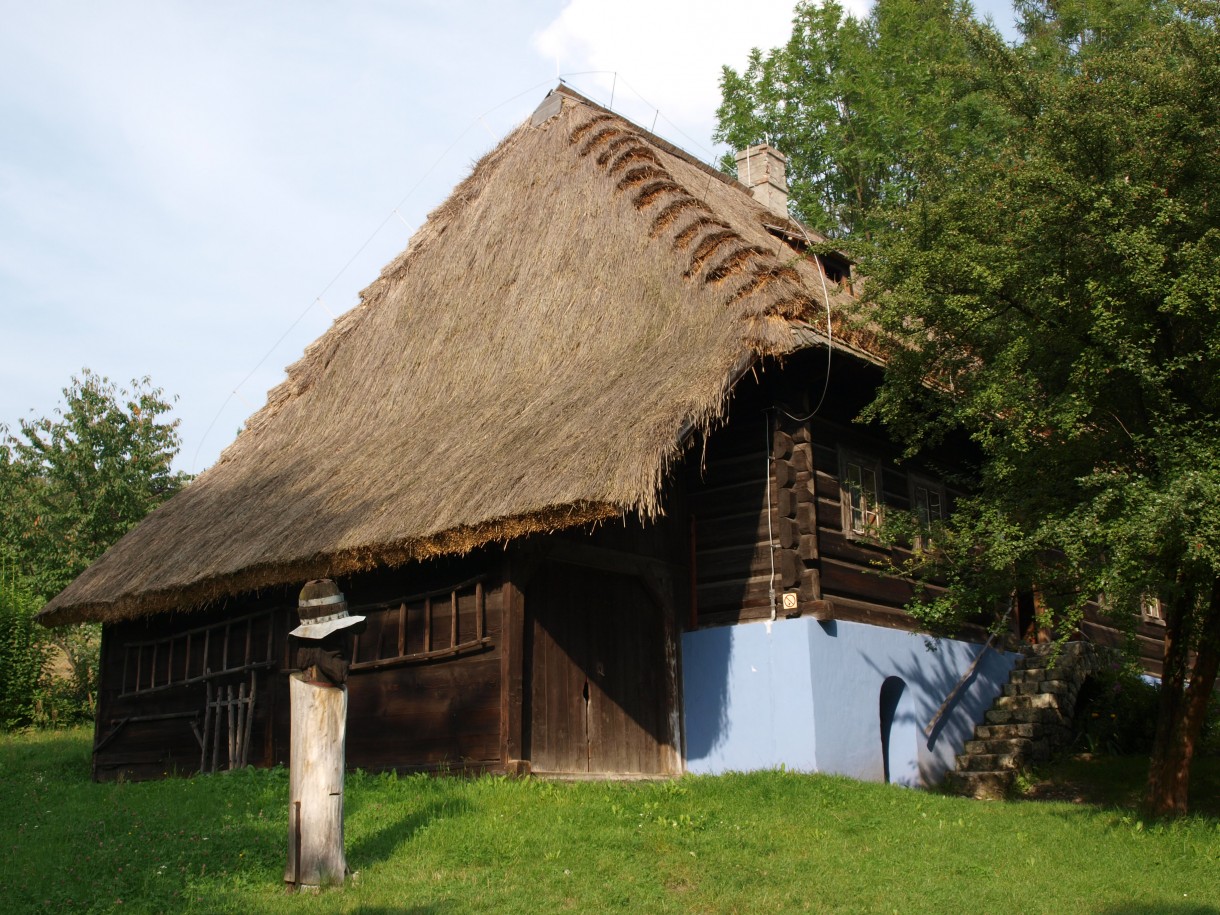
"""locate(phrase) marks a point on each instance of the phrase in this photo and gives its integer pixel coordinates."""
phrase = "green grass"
(767, 842)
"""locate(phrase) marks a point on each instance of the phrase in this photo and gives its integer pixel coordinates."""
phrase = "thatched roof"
(528, 364)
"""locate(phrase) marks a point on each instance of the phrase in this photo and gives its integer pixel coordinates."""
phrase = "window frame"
(1152, 610)
(869, 530)
(915, 482)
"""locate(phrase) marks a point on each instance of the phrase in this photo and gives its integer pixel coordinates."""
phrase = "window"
(422, 627)
(927, 504)
(1151, 609)
(837, 270)
(860, 495)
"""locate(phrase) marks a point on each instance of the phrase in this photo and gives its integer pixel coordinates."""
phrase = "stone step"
(1005, 731)
(1023, 716)
(1070, 650)
(1033, 687)
(1038, 674)
(988, 762)
(981, 785)
(1036, 701)
(1021, 747)
(1011, 745)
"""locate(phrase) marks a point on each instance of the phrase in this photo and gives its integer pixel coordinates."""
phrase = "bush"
(71, 698)
(1209, 740)
(1116, 713)
(24, 650)
(31, 692)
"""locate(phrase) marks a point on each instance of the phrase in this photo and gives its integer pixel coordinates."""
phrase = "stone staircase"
(1030, 720)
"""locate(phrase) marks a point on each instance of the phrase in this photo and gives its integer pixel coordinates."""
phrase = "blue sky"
(191, 191)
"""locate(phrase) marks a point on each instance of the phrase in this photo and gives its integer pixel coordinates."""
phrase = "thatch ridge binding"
(640, 174)
(691, 230)
(503, 376)
(627, 139)
(601, 136)
(707, 248)
(671, 211)
(737, 262)
(634, 153)
(582, 129)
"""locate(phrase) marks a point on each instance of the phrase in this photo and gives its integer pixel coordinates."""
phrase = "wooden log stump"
(315, 784)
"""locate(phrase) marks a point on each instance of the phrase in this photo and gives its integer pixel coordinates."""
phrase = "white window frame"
(861, 503)
(1151, 609)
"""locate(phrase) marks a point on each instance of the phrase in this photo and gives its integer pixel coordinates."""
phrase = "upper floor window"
(927, 500)
(928, 504)
(860, 494)
(837, 270)
(1151, 609)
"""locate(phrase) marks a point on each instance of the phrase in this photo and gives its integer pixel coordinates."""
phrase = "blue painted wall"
(806, 695)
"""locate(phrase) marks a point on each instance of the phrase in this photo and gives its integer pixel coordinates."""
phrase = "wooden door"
(595, 659)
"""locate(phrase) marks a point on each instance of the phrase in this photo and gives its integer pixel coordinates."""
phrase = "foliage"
(69, 488)
(23, 653)
(1115, 713)
(77, 483)
(853, 102)
(1038, 225)
(736, 843)
(1060, 294)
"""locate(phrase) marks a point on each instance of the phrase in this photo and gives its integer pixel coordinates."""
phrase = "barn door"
(595, 657)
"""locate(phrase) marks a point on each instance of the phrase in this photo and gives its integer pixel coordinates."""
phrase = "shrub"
(1116, 713)
(24, 650)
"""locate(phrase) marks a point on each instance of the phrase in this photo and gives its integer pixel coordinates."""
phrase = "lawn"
(766, 842)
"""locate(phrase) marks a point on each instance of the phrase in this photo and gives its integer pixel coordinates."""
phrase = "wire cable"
(829, 335)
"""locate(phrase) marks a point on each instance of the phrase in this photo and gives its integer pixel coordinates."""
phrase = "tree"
(23, 654)
(1056, 295)
(71, 486)
(852, 102)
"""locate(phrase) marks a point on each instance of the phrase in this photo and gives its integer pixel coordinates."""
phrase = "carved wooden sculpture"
(322, 652)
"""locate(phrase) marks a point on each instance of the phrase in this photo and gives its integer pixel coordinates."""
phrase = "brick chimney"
(761, 169)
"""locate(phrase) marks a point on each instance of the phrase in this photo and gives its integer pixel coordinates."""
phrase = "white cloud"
(671, 53)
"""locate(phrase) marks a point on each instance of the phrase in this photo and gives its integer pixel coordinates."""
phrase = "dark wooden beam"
(512, 657)
(606, 560)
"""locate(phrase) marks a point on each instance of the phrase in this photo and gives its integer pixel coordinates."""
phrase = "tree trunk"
(1185, 694)
(315, 784)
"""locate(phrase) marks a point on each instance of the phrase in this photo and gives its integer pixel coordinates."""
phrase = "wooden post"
(315, 784)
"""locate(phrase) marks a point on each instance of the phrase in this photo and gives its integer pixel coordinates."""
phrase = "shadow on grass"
(66, 751)
(1118, 781)
(434, 908)
(382, 844)
(1159, 908)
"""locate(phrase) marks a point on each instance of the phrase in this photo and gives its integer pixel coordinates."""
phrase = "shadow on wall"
(706, 657)
(748, 699)
(931, 673)
(838, 697)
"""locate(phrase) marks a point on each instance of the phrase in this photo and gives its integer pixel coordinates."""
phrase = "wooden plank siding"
(595, 660)
(407, 710)
(726, 482)
(1149, 639)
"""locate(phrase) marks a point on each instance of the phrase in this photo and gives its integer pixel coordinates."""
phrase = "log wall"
(765, 499)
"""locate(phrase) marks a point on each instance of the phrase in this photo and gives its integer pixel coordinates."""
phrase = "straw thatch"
(528, 364)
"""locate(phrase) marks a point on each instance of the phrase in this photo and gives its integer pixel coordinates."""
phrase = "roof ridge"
(715, 252)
